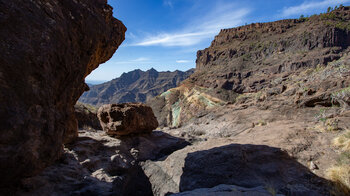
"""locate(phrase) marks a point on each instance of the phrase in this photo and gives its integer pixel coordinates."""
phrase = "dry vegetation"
(343, 142)
(340, 173)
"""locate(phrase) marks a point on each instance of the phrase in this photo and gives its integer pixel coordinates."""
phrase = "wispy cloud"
(183, 61)
(130, 35)
(141, 59)
(133, 61)
(168, 3)
(307, 6)
(174, 39)
(200, 28)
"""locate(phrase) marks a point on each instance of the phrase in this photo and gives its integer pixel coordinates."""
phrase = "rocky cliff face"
(257, 58)
(48, 48)
(134, 86)
(242, 53)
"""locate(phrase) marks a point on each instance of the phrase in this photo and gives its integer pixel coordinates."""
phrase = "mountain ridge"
(134, 86)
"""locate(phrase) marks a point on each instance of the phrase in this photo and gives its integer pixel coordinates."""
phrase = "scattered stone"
(313, 166)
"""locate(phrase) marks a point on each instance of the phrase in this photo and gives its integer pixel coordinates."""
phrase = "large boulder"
(47, 49)
(127, 118)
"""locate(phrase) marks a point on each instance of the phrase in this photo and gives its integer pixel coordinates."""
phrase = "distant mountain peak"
(134, 86)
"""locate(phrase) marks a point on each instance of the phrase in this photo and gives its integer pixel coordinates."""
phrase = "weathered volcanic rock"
(47, 49)
(127, 118)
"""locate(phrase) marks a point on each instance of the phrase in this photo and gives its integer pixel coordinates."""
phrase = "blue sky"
(166, 34)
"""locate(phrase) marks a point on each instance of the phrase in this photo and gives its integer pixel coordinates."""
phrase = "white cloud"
(141, 59)
(183, 61)
(307, 6)
(200, 28)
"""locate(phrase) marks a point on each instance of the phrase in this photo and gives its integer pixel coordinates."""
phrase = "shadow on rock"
(155, 146)
(97, 164)
(250, 166)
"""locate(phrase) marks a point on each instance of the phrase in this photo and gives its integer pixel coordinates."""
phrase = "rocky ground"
(233, 150)
(97, 164)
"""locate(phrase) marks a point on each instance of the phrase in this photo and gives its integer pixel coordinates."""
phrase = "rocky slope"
(261, 57)
(48, 48)
(134, 86)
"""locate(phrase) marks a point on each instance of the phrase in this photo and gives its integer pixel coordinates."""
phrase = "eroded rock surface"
(127, 118)
(48, 48)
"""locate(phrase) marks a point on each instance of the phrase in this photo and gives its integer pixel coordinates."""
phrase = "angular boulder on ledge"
(127, 118)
